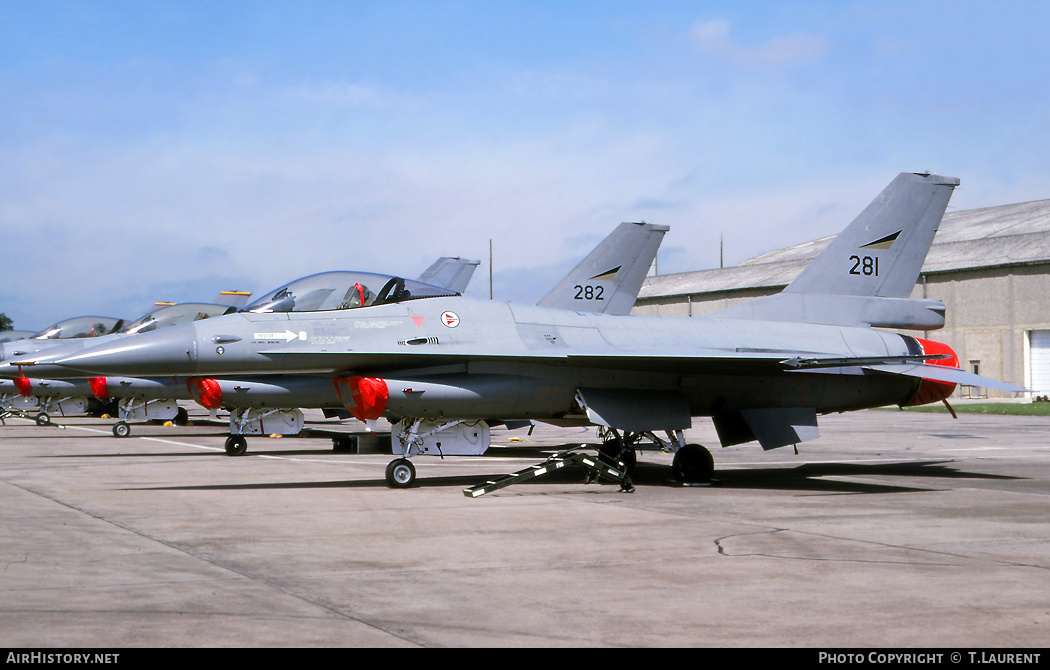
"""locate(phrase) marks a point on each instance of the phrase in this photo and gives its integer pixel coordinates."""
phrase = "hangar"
(990, 267)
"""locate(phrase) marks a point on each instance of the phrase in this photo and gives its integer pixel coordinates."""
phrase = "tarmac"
(894, 529)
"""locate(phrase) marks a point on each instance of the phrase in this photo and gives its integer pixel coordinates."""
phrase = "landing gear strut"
(616, 450)
(692, 463)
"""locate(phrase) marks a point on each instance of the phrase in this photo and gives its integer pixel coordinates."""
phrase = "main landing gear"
(692, 464)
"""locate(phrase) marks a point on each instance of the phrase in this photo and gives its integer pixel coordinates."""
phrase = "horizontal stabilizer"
(635, 410)
(950, 375)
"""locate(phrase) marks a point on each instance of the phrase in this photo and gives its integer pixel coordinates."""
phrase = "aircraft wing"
(692, 361)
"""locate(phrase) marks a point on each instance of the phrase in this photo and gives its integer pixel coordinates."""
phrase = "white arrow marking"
(287, 336)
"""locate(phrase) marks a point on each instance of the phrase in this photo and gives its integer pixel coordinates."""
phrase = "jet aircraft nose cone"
(168, 351)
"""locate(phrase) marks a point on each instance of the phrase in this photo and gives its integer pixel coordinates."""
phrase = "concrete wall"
(989, 313)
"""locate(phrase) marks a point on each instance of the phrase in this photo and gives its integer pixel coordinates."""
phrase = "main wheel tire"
(121, 429)
(236, 445)
(693, 464)
(182, 417)
(400, 473)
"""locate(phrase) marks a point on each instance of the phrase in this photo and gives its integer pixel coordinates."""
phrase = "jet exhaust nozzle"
(931, 390)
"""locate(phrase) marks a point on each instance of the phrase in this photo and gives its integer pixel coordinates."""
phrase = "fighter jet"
(612, 274)
(155, 397)
(442, 366)
(15, 396)
(74, 334)
(25, 388)
(262, 405)
(15, 335)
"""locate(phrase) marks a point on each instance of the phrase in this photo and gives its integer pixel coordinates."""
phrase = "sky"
(165, 151)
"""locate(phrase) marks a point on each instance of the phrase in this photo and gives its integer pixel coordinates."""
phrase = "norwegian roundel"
(450, 319)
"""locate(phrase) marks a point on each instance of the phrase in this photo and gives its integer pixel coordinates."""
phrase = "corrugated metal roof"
(978, 238)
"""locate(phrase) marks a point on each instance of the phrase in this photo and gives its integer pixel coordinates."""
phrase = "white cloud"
(714, 38)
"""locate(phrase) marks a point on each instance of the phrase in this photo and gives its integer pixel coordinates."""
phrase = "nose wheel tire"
(236, 445)
(121, 429)
(42, 419)
(400, 473)
(693, 465)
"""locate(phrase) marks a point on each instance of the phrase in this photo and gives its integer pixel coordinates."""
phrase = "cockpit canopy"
(344, 290)
(80, 326)
(173, 315)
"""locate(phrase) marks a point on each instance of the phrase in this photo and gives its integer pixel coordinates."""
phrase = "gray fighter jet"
(612, 274)
(16, 398)
(266, 405)
(156, 399)
(74, 334)
(15, 335)
(442, 366)
(25, 389)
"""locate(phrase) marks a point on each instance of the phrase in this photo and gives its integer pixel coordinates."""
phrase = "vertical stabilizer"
(881, 253)
(867, 273)
(607, 281)
(236, 299)
(451, 273)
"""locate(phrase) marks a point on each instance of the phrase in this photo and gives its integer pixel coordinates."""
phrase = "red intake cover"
(931, 390)
(205, 391)
(99, 387)
(368, 396)
(23, 385)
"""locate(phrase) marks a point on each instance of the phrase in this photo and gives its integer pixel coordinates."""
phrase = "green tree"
(5, 322)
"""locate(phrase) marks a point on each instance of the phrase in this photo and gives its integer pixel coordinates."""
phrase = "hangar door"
(1039, 360)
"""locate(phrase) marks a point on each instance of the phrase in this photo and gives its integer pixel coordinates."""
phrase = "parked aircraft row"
(443, 367)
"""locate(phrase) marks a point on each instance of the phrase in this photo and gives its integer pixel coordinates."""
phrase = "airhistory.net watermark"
(52, 657)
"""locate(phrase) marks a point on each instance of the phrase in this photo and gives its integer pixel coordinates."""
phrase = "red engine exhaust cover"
(23, 385)
(205, 391)
(931, 390)
(99, 387)
(368, 396)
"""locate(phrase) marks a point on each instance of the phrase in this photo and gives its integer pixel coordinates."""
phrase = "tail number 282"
(868, 265)
(589, 292)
